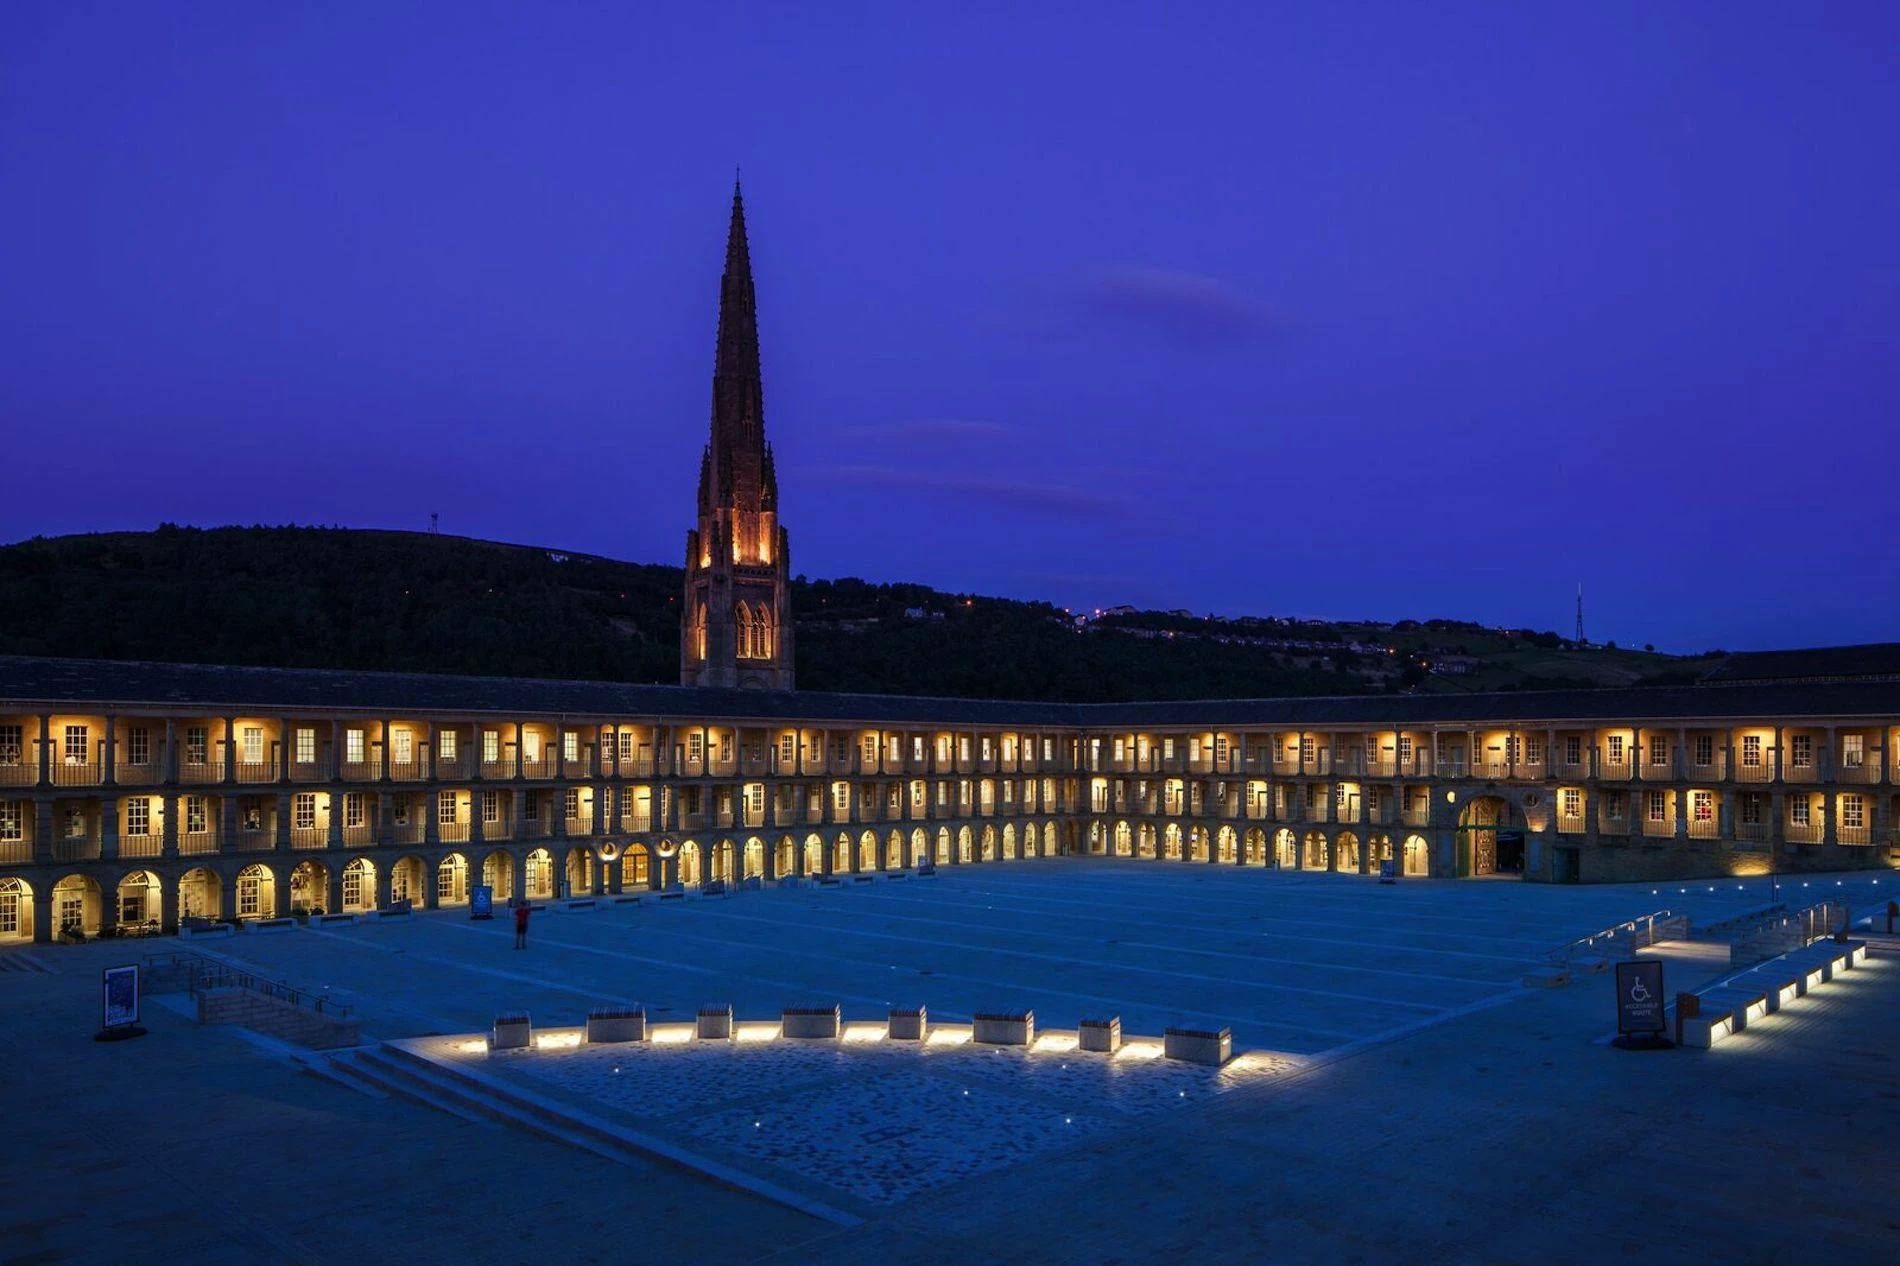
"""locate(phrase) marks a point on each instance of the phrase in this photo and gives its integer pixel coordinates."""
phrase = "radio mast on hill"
(1580, 640)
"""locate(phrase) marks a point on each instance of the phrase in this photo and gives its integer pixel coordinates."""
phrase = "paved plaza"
(1404, 1098)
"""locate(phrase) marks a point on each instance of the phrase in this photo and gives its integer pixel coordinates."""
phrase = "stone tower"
(736, 624)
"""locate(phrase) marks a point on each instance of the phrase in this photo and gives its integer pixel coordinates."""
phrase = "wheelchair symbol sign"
(1639, 997)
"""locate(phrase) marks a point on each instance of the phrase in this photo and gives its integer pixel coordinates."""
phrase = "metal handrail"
(214, 975)
(1643, 923)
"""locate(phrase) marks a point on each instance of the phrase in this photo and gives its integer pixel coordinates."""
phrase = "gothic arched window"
(743, 617)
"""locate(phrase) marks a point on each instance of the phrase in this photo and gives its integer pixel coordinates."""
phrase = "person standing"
(521, 925)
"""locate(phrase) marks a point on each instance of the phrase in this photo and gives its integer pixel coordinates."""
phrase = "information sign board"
(1639, 997)
(481, 902)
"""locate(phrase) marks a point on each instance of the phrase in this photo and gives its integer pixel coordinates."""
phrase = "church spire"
(736, 620)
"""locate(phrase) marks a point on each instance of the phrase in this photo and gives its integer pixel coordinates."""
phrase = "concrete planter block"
(1198, 1046)
(273, 925)
(576, 903)
(714, 1023)
(327, 920)
(513, 1032)
(1005, 1028)
(908, 1024)
(616, 1024)
(1100, 1035)
(865, 879)
(207, 932)
(395, 910)
(626, 901)
(819, 1022)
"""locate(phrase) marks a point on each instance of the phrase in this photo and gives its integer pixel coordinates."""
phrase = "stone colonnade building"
(133, 795)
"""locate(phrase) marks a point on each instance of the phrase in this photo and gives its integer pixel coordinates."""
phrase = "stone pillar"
(286, 748)
(1681, 798)
(333, 768)
(43, 831)
(334, 835)
(109, 827)
(171, 806)
(109, 756)
(168, 905)
(46, 754)
(432, 825)
(168, 763)
(230, 750)
(43, 914)
(283, 822)
(385, 877)
(383, 776)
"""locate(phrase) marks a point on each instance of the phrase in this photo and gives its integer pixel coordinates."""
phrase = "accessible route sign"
(1639, 997)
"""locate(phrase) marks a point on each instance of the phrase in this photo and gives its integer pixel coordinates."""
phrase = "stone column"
(172, 805)
(43, 914)
(109, 756)
(46, 754)
(383, 776)
(283, 822)
(334, 834)
(333, 768)
(230, 750)
(168, 764)
(109, 827)
(286, 748)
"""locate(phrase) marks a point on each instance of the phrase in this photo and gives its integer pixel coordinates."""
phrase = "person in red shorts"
(521, 926)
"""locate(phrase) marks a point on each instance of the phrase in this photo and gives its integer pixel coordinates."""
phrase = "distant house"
(1453, 665)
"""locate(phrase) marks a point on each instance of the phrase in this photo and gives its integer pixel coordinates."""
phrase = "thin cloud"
(1008, 494)
(929, 429)
(1181, 305)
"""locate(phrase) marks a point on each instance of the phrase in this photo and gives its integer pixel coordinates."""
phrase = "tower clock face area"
(735, 623)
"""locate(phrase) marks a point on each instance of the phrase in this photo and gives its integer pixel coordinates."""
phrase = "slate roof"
(27, 682)
(1820, 663)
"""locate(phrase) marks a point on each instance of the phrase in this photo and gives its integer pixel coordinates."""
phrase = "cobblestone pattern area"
(878, 1122)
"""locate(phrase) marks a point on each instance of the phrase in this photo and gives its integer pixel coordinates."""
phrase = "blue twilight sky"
(1328, 309)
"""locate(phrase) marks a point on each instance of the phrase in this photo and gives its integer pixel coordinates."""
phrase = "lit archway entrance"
(498, 875)
(1145, 841)
(867, 852)
(1171, 842)
(635, 868)
(359, 885)
(309, 889)
(1480, 825)
(689, 864)
(963, 844)
(200, 895)
(1256, 847)
(987, 844)
(1286, 850)
(1378, 851)
(256, 893)
(16, 910)
(1315, 850)
(814, 855)
(141, 900)
(720, 859)
(1418, 856)
(406, 881)
(787, 857)
(1346, 852)
(919, 846)
(894, 851)
(943, 846)
(537, 875)
(754, 859)
(451, 881)
(1228, 845)
(1124, 839)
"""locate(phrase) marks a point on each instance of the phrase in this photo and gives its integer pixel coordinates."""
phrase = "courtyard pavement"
(1429, 1110)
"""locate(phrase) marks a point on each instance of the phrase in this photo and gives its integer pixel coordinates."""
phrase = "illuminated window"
(445, 744)
(571, 745)
(696, 747)
(1853, 811)
(1702, 806)
(491, 806)
(1801, 750)
(196, 817)
(841, 796)
(197, 745)
(1798, 810)
(870, 749)
(573, 805)
(917, 794)
(530, 747)
(353, 808)
(1512, 749)
(138, 746)
(306, 738)
(1306, 749)
(625, 739)
(755, 798)
(917, 747)
(1616, 749)
(1573, 749)
(1405, 749)
(787, 750)
(138, 816)
(12, 821)
(1853, 751)
(1570, 801)
(1751, 749)
(1048, 749)
(303, 810)
(405, 746)
(1655, 806)
(491, 746)
(78, 744)
(963, 747)
(445, 808)
(1658, 750)
(1534, 749)
(12, 743)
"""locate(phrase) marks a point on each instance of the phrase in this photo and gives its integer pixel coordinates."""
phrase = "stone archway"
(16, 910)
(200, 896)
(1480, 824)
(1255, 851)
(256, 893)
(689, 876)
(1418, 856)
(451, 881)
(498, 875)
(537, 875)
(1124, 839)
(1286, 850)
(753, 863)
(943, 846)
(785, 857)
(359, 885)
(309, 889)
(1313, 851)
(1346, 852)
(636, 868)
(408, 881)
(141, 900)
(814, 855)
